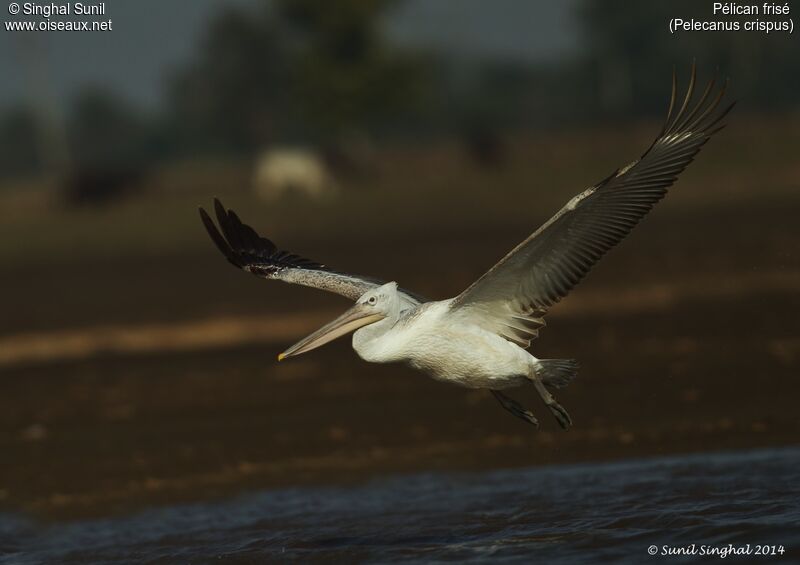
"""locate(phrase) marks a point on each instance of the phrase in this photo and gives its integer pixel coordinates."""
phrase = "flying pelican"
(479, 339)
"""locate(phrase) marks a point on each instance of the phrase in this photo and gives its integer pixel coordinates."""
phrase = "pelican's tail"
(557, 373)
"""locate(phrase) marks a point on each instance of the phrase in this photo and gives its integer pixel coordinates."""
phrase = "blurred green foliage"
(229, 96)
(296, 70)
(105, 131)
(628, 50)
(19, 140)
(313, 73)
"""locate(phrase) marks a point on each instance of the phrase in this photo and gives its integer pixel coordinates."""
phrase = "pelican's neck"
(368, 342)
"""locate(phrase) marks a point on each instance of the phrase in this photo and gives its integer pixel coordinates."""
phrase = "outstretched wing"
(245, 249)
(511, 298)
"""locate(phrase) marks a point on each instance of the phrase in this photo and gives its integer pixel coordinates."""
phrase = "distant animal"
(479, 338)
(284, 170)
(351, 155)
(484, 146)
(100, 185)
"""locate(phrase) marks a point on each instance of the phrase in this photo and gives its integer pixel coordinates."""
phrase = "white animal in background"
(285, 170)
(479, 338)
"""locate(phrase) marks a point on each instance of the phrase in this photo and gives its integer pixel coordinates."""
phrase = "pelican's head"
(373, 306)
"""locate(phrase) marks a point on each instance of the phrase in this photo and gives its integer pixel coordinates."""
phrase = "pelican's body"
(426, 338)
(479, 339)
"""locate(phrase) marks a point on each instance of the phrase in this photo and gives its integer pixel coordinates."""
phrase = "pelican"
(479, 339)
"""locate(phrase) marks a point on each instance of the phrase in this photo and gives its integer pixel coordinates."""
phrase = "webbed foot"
(561, 415)
(558, 411)
(515, 408)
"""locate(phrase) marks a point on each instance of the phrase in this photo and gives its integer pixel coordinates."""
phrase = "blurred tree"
(105, 131)
(292, 70)
(235, 94)
(628, 47)
(109, 149)
(625, 65)
(344, 73)
(20, 142)
(315, 72)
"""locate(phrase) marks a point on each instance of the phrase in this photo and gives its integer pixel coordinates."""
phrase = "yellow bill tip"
(281, 357)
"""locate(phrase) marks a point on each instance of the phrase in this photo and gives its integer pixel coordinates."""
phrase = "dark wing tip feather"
(696, 119)
(217, 238)
(247, 250)
(699, 119)
(672, 98)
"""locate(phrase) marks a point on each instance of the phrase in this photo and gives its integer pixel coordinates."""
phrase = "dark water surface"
(592, 513)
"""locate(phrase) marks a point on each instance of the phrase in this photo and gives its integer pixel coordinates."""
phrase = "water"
(561, 514)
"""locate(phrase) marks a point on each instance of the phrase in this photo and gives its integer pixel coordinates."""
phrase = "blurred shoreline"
(57, 346)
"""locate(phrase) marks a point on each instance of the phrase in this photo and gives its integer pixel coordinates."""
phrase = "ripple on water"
(561, 514)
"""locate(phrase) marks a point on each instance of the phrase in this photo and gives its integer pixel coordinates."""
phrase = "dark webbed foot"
(558, 411)
(561, 415)
(515, 408)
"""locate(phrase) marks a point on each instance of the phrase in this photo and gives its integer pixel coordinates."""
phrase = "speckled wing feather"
(512, 297)
(245, 249)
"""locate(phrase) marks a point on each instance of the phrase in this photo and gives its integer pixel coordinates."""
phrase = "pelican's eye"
(372, 300)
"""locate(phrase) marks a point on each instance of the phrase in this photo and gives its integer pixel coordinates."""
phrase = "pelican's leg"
(558, 411)
(515, 407)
